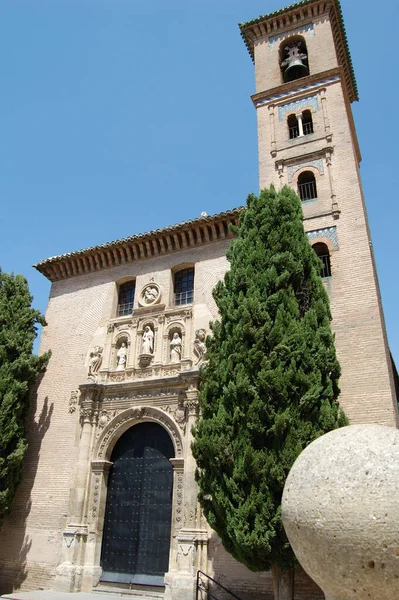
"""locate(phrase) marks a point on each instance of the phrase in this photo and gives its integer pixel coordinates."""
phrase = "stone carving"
(147, 344)
(121, 357)
(73, 401)
(147, 347)
(179, 500)
(175, 347)
(199, 344)
(150, 294)
(134, 414)
(95, 361)
(179, 414)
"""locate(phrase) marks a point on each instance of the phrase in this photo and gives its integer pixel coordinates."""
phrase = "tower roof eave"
(247, 28)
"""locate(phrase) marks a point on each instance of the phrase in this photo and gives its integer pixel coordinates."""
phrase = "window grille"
(184, 286)
(126, 298)
(307, 189)
(324, 255)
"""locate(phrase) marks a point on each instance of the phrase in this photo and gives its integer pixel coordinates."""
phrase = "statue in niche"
(121, 357)
(199, 344)
(175, 348)
(147, 344)
(95, 361)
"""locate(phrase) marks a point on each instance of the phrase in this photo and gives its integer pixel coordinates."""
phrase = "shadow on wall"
(14, 542)
(250, 585)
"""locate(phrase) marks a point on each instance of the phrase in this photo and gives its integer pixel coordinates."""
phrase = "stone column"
(96, 513)
(192, 538)
(334, 204)
(300, 125)
(69, 572)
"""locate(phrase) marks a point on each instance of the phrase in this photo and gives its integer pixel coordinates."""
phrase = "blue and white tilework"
(305, 88)
(294, 107)
(305, 29)
(329, 232)
(317, 164)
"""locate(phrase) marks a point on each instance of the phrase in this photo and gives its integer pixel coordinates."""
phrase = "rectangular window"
(126, 298)
(184, 286)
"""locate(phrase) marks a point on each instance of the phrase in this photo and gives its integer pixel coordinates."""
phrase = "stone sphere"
(340, 510)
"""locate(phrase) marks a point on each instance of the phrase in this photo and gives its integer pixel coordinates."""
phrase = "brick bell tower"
(307, 139)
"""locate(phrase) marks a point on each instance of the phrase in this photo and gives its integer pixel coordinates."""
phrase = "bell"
(294, 63)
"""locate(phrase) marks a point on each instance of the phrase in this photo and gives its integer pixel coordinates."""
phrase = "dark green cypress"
(19, 369)
(270, 385)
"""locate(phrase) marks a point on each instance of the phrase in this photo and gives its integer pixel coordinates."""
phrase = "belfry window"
(307, 122)
(184, 286)
(126, 298)
(294, 60)
(324, 255)
(300, 125)
(293, 126)
(307, 186)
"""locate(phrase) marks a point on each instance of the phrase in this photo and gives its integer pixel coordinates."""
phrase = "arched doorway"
(136, 537)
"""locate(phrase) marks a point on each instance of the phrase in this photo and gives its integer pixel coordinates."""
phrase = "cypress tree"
(19, 369)
(270, 384)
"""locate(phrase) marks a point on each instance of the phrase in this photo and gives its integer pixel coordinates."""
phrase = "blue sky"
(122, 116)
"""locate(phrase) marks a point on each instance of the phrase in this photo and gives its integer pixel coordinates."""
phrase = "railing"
(307, 127)
(326, 270)
(294, 132)
(204, 583)
(307, 191)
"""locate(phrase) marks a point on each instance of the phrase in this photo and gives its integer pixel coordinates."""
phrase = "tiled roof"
(144, 245)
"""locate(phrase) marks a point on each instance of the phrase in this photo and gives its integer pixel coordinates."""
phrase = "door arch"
(136, 536)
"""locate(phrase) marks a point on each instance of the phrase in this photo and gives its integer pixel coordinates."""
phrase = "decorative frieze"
(317, 164)
(274, 39)
(329, 232)
(294, 107)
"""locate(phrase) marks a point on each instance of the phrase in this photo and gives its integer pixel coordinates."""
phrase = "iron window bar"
(307, 191)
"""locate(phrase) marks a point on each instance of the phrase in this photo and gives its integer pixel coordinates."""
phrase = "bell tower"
(305, 85)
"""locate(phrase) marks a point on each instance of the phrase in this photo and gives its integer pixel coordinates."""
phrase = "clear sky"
(122, 116)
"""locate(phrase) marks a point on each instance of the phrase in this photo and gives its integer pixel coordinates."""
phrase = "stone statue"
(150, 294)
(121, 357)
(199, 344)
(147, 345)
(175, 348)
(95, 361)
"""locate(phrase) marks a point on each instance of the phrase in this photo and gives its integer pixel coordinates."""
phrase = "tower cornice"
(299, 14)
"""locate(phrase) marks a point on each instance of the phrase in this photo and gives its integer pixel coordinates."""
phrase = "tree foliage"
(19, 369)
(270, 385)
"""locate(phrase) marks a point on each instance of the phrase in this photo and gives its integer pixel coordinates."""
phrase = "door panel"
(136, 537)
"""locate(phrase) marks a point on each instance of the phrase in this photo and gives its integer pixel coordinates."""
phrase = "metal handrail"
(209, 595)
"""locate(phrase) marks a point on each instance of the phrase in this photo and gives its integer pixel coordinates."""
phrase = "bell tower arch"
(305, 85)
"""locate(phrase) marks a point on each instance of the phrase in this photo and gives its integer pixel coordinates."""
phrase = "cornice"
(306, 85)
(188, 234)
(302, 13)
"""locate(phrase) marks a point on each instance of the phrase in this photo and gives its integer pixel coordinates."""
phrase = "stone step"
(146, 592)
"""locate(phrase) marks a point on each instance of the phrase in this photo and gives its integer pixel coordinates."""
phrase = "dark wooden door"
(136, 536)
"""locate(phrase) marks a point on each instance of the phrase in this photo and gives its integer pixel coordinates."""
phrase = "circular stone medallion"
(150, 294)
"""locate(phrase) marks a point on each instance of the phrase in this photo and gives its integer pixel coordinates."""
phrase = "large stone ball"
(340, 510)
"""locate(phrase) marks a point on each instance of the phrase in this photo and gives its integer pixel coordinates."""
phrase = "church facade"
(108, 498)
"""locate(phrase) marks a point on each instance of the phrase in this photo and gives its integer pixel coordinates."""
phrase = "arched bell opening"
(307, 122)
(323, 253)
(293, 126)
(294, 62)
(307, 189)
(138, 513)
